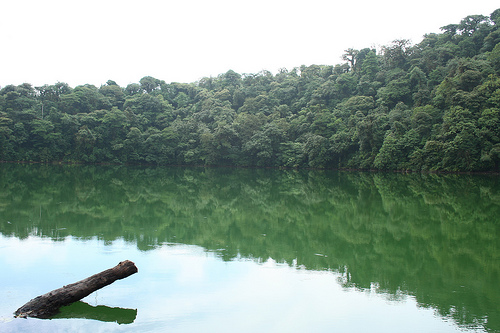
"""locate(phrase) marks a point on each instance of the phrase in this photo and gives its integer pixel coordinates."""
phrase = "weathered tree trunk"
(46, 305)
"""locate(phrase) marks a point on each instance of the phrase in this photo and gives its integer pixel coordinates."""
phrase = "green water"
(252, 250)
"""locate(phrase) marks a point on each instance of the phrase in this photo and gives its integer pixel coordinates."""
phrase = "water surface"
(224, 250)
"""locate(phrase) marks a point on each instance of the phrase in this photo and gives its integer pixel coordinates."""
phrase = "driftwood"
(47, 305)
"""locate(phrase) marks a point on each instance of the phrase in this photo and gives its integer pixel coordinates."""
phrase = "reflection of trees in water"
(100, 312)
(432, 236)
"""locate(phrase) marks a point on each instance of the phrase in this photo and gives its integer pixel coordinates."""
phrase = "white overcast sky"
(92, 41)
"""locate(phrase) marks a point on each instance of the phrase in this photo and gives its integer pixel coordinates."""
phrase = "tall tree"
(350, 56)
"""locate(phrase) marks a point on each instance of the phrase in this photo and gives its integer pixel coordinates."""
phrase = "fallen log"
(47, 305)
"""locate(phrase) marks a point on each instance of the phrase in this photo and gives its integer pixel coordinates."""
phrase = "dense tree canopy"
(430, 106)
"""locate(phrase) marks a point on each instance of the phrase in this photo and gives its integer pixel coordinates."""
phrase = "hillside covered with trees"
(433, 106)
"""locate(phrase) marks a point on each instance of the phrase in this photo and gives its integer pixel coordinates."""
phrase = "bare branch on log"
(46, 305)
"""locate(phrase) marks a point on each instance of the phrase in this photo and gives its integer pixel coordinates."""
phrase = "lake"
(252, 250)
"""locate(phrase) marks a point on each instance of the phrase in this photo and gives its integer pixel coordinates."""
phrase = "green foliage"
(430, 106)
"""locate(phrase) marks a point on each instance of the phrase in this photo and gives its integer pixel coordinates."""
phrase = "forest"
(432, 106)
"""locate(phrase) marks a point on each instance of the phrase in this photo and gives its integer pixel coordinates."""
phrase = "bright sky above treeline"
(44, 42)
